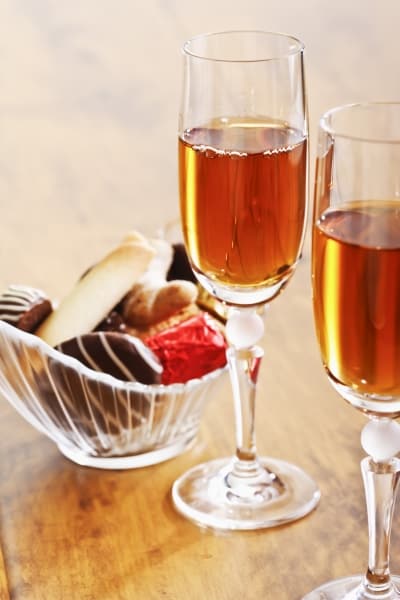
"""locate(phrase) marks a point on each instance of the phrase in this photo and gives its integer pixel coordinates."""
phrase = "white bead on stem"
(244, 328)
(380, 438)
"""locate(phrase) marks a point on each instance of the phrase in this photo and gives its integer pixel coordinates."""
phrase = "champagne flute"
(356, 296)
(243, 172)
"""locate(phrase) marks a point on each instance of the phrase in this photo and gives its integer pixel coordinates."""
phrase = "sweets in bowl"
(87, 378)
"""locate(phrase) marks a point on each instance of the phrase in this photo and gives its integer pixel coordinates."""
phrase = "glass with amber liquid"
(246, 237)
(243, 174)
(356, 297)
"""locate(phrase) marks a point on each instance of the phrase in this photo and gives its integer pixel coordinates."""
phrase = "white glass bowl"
(95, 419)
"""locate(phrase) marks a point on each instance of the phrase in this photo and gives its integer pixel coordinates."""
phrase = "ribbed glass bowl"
(95, 419)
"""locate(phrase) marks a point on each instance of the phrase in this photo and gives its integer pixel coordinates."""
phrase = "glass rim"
(336, 132)
(298, 46)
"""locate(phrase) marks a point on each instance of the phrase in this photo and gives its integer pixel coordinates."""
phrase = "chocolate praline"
(120, 355)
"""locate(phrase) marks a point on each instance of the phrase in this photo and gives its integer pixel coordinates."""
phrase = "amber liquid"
(356, 289)
(243, 200)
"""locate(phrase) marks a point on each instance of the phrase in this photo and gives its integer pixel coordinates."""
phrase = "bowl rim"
(10, 331)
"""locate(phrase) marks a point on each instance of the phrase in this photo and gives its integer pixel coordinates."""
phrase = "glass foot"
(351, 588)
(212, 496)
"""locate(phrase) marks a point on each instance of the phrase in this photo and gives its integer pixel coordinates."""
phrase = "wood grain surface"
(89, 96)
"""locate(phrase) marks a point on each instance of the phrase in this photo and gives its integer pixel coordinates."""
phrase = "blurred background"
(89, 96)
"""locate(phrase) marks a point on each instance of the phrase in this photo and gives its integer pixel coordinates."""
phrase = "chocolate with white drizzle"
(24, 307)
(121, 355)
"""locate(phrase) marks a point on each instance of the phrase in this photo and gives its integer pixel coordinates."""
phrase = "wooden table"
(88, 107)
(71, 532)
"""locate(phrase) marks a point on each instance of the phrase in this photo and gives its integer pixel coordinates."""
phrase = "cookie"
(98, 291)
(24, 307)
(178, 317)
(153, 298)
(120, 355)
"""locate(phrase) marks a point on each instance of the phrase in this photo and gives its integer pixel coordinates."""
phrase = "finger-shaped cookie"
(98, 291)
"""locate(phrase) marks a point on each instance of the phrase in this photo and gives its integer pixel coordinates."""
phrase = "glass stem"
(380, 482)
(244, 368)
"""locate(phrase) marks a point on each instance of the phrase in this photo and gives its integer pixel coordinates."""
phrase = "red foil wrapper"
(190, 349)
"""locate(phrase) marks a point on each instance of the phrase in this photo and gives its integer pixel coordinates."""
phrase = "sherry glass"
(243, 176)
(356, 297)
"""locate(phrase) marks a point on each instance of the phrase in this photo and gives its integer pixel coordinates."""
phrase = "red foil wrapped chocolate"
(190, 349)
